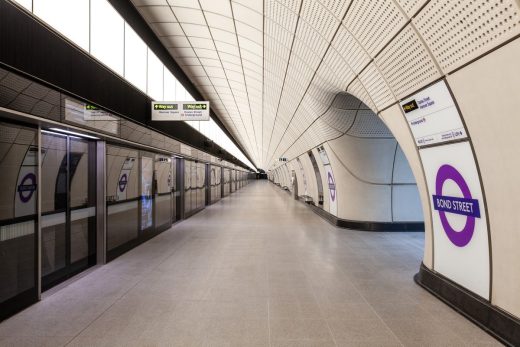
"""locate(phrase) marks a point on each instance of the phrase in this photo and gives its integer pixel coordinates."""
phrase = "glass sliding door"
(194, 185)
(122, 177)
(54, 205)
(163, 193)
(232, 181)
(198, 190)
(68, 207)
(187, 187)
(140, 187)
(82, 201)
(213, 184)
(146, 202)
(214, 177)
(174, 188)
(18, 217)
(201, 185)
(227, 182)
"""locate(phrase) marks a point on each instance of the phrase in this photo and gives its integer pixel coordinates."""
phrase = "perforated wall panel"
(320, 18)
(350, 49)
(458, 31)
(271, 69)
(22, 95)
(346, 102)
(368, 124)
(374, 23)
(410, 7)
(406, 63)
(340, 120)
(335, 71)
(376, 86)
(357, 89)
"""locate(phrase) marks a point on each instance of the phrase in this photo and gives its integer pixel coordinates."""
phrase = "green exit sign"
(194, 106)
(165, 106)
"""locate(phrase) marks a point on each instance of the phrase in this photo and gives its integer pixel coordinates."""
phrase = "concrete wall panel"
(396, 122)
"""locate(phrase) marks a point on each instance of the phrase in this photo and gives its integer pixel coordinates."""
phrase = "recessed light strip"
(74, 133)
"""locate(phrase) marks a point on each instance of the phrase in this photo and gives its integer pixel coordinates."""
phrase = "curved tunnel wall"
(473, 47)
(374, 182)
(382, 52)
(391, 195)
(489, 111)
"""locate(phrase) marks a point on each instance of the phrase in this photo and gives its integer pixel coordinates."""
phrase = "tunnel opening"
(363, 179)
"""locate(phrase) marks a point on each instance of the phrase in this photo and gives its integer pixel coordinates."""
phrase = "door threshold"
(68, 282)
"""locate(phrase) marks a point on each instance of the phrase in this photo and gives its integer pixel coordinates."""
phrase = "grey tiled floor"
(255, 269)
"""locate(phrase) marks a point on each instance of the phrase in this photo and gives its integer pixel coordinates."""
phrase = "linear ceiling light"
(74, 133)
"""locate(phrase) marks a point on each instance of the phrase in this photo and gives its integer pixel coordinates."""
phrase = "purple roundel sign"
(465, 205)
(332, 186)
(27, 187)
(123, 181)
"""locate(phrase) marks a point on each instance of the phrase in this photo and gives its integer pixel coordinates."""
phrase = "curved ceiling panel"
(276, 71)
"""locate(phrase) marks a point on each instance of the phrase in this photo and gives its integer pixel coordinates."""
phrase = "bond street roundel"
(332, 186)
(465, 205)
(27, 187)
(123, 181)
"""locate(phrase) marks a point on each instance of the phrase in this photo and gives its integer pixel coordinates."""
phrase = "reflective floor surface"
(255, 269)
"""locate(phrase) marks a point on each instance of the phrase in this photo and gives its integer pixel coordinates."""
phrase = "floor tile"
(255, 269)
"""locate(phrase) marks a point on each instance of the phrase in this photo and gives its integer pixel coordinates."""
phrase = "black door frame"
(31, 295)
(71, 269)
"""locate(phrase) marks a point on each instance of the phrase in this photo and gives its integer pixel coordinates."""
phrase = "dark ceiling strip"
(32, 49)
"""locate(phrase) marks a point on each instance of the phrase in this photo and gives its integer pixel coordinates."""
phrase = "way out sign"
(180, 110)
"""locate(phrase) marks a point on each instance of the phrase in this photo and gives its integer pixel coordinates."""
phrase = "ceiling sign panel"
(180, 110)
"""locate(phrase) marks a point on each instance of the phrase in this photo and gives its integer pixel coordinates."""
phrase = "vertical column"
(180, 175)
(39, 217)
(101, 236)
(207, 184)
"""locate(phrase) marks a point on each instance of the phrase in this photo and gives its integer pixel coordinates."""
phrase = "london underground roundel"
(332, 186)
(464, 205)
(460, 249)
(27, 187)
(123, 181)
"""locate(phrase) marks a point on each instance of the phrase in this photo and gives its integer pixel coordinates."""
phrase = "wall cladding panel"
(368, 124)
(406, 63)
(374, 23)
(458, 31)
(410, 7)
(376, 86)
(497, 148)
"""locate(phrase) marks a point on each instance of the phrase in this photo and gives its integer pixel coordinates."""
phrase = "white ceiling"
(272, 69)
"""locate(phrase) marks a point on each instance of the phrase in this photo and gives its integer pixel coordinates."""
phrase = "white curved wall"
(488, 108)
(406, 201)
(381, 52)
(323, 175)
(395, 121)
(491, 111)
(362, 200)
(312, 186)
(373, 180)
